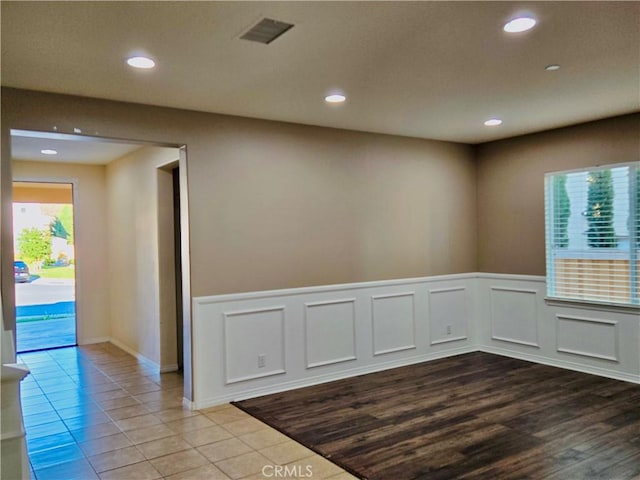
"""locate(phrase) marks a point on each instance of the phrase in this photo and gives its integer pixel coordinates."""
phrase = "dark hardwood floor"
(474, 416)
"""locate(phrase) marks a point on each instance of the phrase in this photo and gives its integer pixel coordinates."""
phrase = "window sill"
(592, 305)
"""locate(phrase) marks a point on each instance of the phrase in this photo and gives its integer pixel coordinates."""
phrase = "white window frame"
(633, 250)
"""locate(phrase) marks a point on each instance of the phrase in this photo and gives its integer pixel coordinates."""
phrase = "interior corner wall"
(275, 205)
(90, 238)
(511, 229)
(7, 296)
(133, 240)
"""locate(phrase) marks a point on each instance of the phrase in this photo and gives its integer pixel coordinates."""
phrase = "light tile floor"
(94, 412)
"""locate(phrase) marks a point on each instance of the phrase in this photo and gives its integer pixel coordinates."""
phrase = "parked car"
(21, 271)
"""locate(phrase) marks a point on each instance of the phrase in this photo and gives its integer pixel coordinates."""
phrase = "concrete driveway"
(45, 290)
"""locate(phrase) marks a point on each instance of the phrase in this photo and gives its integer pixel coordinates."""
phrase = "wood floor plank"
(473, 416)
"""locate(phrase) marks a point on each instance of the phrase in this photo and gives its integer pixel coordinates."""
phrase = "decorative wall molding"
(447, 340)
(225, 397)
(566, 364)
(384, 325)
(572, 329)
(514, 315)
(393, 324)
(329, 337)
(448, 314)
(267, 333)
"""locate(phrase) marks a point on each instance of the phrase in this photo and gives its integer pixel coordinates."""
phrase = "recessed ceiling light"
(493, 122)
(552, 68)
(520, 24)
(335, 98)
(48, 151)
(141, 62)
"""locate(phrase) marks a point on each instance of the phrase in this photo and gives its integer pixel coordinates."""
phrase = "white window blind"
(593, 234)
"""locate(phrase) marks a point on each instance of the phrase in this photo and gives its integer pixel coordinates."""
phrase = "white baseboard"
(92, 340)
(169, 368)
(576, 367)
(188, 404)
(258, 392)
(309, 382)
(141, 358)
(227, 351)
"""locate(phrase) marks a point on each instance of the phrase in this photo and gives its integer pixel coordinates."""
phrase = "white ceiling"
(425, 69)
(70, 148)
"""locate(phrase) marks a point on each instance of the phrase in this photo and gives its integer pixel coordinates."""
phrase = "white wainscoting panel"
(330, 332)
(514, 316)
(252, 335)
(319, 334)
(448, 315)
(588, 337)
(394, 322)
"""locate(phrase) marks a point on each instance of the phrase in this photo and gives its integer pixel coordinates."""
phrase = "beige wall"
(90, 239)
(511, 186)
(278, 206)
(275, 205)
(140, 240)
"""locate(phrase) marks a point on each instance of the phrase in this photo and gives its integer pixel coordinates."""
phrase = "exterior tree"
(599, 213)
(562, 206)
(57, 229)
(66, 218)
(34, 245)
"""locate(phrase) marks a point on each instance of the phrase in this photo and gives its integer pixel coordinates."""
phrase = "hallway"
(95, 412)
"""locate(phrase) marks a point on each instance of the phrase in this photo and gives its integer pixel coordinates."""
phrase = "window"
(593, 234)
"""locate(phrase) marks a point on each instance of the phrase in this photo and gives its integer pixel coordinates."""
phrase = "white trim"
(576, 367)
(411, 346)
(512, 277)
(447, 340)
(527, 291)
(92, 340)
(591, 305)
(602, 321)
(210, 354)
(309, 305)
(234, 313)
(513, 340)
(206, 300)
(516, 290)
(588, 354)
(169, 368)
(393, 350)
(317, 380)
(586, 319)
(226, 315)
(141, 358)
(329, 302)
(330, 362)
(188, 404)
(445, 290)
(231, 381)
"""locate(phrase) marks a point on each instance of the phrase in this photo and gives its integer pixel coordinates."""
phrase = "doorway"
(125, 239)
(44, 265)
(177, 242)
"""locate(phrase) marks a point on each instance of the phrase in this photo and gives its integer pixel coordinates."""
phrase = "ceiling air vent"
(266, 31)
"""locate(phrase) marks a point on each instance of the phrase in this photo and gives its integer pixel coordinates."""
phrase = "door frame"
(74, 199)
